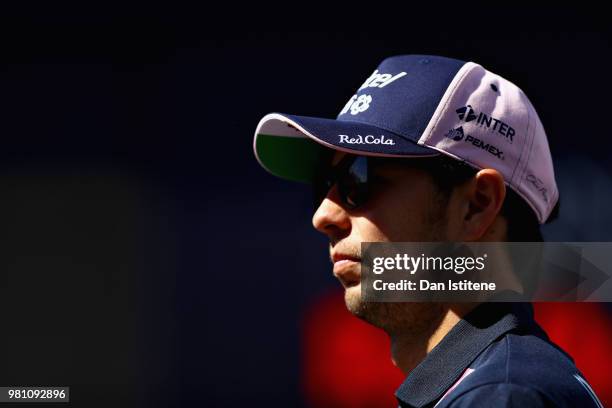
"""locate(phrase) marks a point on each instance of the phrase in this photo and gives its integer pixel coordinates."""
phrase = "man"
(435, 149)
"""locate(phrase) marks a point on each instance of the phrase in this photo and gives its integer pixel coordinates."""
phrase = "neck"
(409, 349)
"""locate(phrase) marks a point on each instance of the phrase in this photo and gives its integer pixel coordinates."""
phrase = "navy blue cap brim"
(291, 146)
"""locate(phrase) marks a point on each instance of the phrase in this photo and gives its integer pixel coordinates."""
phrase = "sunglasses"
(353, 177)
(356, 177)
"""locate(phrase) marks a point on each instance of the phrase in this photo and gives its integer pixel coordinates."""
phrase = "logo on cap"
(539, 186)
(357, 104)
(466, 113)
(458, 135)
(369, 139)
(455, 134)
(360, 103)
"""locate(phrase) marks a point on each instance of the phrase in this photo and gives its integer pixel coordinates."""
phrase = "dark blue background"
(147, 257)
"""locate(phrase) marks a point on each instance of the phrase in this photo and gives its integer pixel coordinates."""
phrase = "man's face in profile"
(402, 205)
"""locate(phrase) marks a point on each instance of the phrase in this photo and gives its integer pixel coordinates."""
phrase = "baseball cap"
(419, 106)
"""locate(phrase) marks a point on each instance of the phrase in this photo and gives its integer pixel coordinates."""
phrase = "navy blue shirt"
(497, 356)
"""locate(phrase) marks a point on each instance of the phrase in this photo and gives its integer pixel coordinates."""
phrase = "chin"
(408, 317)
(368, 311)
(352, 299)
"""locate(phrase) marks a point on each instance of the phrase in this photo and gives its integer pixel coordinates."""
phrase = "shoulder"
(522, 370)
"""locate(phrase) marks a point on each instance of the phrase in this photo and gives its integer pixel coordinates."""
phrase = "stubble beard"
(394, 318)
(414, 318)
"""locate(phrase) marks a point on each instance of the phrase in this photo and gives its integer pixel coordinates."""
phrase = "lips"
(347, 269)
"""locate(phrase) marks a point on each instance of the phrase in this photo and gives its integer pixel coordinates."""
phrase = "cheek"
(400, 217)
(368, 229)
(391, 225)
(401, 226)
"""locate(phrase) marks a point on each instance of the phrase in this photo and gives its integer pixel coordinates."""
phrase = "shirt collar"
(449, 359)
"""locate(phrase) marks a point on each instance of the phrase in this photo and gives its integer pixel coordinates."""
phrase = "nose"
(331, 218)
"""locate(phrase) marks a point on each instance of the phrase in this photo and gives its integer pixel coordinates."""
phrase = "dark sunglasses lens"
(353, 184)
(351, 175)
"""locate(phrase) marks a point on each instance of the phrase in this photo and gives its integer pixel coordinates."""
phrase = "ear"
(483, 198)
